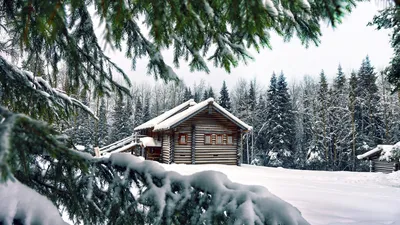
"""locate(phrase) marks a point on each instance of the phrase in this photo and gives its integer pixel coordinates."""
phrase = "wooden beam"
(239, 147)
(172, 147)
(193, 147)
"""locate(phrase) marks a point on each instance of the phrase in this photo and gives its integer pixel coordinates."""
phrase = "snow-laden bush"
(207, 197)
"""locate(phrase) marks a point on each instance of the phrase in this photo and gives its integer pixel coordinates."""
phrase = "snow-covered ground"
(324, 198)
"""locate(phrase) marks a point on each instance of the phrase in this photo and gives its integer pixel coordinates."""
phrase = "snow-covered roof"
(385, 152)
(173, 120)
(149, 142)
(151, 123)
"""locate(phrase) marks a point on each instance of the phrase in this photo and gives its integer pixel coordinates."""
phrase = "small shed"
(383, 158)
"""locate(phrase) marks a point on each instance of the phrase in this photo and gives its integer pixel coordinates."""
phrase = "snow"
(80, 147)
(149, 142)
(271, 8)
(389, 153)
(334, 198)
(168, 123)
(18, 202)
(122, 149)
(247, 204)
(151, 123)
(386, 152)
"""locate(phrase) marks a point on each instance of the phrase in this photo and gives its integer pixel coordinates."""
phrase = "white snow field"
(324, 198)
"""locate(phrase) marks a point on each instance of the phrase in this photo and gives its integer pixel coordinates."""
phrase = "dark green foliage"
(322, 121)
(188, 94)
(368, 120)
(122, 125)
(389, 18)
(103, 128)
(205, 95)
(139, 114)
(211, 93)
(224, 99)
(146, 110)
(252, 101)
(339, 123)
(280, 124)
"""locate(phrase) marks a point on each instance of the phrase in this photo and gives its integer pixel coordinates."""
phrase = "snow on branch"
(21, 203)
(16, 80)
(205, 197)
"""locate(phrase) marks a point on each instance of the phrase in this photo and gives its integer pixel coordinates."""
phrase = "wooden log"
(193, 137)
(172, 148)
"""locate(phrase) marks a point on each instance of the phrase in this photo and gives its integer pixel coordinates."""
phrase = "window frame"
(208, 135)
(227, 139)
(180, 139)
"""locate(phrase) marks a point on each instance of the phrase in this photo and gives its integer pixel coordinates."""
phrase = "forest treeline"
(310, 124)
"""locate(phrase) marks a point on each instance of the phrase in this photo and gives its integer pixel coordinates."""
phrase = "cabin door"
(153, 153)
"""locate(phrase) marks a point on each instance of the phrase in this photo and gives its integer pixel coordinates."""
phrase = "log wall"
(207, 122)
(382, 166)
(165, 149)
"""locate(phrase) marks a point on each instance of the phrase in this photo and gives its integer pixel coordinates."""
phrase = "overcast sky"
(348, 44)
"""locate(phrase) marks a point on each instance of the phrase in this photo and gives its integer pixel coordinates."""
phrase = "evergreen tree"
(280, 124)
(122, 126)
(340, 123)
(368, 116)
(252, 102)
(320, 151)
(196, 97)
(188, 94)
(146, 110)
(84, 127)
(103, 126)
(205, 95)
(211, 93)
(389, 18)
(139, 113)
(352, 108)
(224, 99)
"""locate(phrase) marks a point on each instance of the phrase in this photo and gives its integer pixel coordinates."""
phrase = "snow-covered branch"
(16, 81)
(203, 197)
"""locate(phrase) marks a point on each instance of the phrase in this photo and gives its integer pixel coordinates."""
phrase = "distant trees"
(315, 124)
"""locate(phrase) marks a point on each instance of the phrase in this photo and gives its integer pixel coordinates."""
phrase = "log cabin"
(194, 133)
(382, 158)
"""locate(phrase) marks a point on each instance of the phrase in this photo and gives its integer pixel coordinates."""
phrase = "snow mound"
(394, 178)
(17, 202)
(217, 196)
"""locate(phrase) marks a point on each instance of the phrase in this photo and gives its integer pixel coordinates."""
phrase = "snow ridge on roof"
(168, 123)
(384, 149)
(153, 122)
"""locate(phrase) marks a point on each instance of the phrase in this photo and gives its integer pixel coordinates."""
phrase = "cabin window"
(229, 139)
(207, 139)
(219, 139)
(183, 139)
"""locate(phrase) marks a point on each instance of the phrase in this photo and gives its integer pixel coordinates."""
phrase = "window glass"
(207, 139)
(219, 139)
(182, 139)
(230, 139)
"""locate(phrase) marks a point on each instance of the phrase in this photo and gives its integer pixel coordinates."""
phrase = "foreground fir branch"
(197, 31)
(389, 18)
(21, 91)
